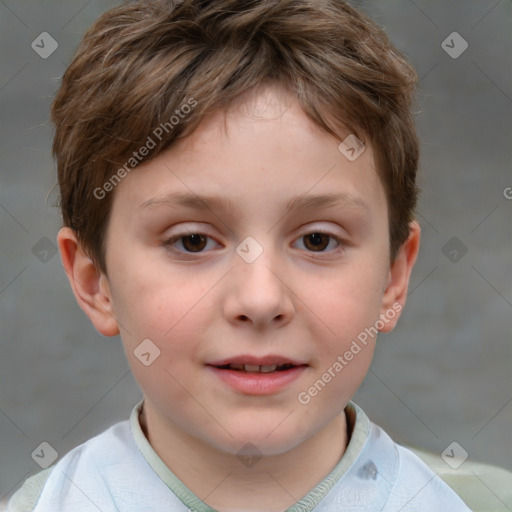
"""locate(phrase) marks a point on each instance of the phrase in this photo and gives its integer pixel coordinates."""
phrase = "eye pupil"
(316, 237)
(318, 240)
(196, 239)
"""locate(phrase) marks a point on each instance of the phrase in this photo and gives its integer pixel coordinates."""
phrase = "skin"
(295, 299)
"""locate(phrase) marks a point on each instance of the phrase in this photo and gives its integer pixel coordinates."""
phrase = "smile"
(256, 368)
(256, 379)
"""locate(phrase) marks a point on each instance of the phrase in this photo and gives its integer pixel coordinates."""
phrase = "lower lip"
(256, 383)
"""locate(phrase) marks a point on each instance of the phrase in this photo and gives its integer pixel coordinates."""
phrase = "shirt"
(118, 471)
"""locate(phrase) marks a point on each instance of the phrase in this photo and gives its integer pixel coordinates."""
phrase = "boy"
(237, 185)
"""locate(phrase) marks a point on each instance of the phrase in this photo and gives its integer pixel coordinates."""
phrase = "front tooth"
(234, 366)
(252, 368)
(268, 369)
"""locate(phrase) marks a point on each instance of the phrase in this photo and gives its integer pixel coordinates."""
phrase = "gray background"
(443, 375)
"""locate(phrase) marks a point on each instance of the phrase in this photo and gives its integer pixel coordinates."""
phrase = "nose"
(258, 292)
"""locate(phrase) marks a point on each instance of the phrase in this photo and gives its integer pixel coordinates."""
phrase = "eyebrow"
(211, 202)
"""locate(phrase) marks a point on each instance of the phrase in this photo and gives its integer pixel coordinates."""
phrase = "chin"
(271, 436)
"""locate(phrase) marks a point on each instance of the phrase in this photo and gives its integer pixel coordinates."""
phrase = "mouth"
(252, 368)
(252, 375)
(257, 364)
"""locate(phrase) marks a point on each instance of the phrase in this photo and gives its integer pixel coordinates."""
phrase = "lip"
(268, 360)
(255, 383)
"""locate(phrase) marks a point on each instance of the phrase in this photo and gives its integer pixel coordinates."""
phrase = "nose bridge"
(257, 263)
(259, 290)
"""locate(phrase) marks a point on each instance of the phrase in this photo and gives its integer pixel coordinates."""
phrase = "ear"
(90, 287)
(395, 293)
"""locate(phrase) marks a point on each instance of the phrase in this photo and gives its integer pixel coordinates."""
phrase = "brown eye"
(194, 243)
(191, 242)
(318, 242)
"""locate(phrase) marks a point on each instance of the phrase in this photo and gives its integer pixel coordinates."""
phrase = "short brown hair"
(141, 62)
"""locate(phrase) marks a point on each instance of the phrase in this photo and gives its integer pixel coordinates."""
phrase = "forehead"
(262, 149)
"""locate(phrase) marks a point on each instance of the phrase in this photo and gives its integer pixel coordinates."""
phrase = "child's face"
(304, 298)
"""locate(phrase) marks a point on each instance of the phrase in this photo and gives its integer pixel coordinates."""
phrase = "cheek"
(153, 309)
(347, 305)
(345, 342)
(159, 303)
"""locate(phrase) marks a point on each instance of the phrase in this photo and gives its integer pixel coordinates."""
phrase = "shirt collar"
(358, 427)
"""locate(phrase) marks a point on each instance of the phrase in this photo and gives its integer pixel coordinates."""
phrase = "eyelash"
(168, 243)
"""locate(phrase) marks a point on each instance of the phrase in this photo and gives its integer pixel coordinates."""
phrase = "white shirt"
(118, 471)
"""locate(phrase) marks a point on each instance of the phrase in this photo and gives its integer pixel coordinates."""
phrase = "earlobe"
(395, 294)
(89, 286)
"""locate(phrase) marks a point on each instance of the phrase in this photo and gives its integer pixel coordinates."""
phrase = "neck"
(272, 483)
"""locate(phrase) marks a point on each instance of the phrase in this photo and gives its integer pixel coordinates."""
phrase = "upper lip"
(269, 360)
